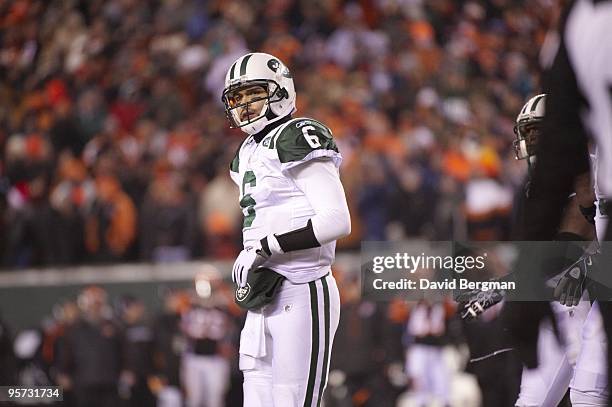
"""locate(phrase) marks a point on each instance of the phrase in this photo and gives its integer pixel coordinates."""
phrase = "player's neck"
(262, 133)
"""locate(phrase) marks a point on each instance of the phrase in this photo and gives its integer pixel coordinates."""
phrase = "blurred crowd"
(114, 145)
(118, 351)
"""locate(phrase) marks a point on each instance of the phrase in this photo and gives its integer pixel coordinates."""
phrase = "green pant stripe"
(314, 351)
(326, 313)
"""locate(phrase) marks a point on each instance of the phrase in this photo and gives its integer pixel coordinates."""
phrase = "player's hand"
(248, 259)
(571, 284)
(473, 303)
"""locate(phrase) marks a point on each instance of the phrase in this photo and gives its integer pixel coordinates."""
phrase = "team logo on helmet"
(243, 292)
(274, 64)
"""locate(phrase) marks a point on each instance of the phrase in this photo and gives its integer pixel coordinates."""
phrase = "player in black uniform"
(547, 384)
(579, 81)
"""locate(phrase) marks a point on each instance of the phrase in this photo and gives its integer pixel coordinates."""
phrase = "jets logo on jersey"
(243, 292)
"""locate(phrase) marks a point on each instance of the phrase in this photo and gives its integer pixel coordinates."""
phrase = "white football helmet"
(269, 72)
(530, 117)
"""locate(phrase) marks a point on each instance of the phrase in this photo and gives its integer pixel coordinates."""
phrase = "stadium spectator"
(64, 315)
(137, 353)
(7, 357)
(424, 92)
(91, 359)
(110, 223)
(169, 344)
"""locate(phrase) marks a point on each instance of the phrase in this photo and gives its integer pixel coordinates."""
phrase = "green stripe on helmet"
(243, 64)
(232, 70)
(535, 103)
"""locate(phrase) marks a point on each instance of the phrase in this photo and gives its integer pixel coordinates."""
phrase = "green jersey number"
(247, 203)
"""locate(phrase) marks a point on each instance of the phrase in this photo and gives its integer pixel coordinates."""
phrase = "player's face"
(248, 102)
(532, 133)
(527, 140)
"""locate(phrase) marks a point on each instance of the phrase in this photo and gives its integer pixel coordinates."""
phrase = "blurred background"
(114, 184)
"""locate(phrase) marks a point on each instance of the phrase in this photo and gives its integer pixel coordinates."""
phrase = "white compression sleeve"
(319, 180)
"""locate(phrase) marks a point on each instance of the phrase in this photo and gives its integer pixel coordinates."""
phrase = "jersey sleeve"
(304, 140)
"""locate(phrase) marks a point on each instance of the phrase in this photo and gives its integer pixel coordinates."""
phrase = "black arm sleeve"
(298, 239)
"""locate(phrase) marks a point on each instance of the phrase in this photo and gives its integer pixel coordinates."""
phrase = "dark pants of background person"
(97, 396)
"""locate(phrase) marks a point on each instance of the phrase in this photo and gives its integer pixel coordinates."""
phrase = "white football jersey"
(270, 200)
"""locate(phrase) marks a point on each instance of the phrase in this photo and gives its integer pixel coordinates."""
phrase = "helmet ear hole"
(282, 93)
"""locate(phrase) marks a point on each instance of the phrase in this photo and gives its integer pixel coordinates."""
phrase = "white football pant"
(285, 347)
(547, 384)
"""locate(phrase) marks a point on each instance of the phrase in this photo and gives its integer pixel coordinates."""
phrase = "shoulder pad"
(301, 137)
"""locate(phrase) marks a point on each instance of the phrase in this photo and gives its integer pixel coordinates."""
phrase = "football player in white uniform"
(294, 211)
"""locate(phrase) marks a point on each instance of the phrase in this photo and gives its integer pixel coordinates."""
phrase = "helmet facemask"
(238, 100)
(276, 97)
(527, 135)
(528, 129)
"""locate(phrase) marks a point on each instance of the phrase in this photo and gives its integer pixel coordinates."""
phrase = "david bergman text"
(426, 284)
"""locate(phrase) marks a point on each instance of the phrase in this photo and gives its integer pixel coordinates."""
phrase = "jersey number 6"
(311, 139)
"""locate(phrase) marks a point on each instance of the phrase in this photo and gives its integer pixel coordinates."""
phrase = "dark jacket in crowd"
(169, 345)
(138, 349)
(92, 354)
(7, 358)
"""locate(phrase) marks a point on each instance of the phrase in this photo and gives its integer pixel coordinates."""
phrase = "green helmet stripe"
(535, 103)
(232, 70)
(243, 64)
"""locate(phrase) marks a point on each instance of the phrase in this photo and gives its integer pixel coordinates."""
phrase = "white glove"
(248, 259)
(254, 256)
